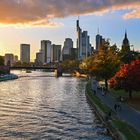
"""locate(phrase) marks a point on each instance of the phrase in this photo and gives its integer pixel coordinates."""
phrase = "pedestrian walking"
(119, 107)
(115, 107)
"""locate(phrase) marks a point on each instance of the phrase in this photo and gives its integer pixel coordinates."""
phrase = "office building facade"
(68, 44)
(83, 43)
(9, 59)
(46, 50)
(56, 53)
(25, 53)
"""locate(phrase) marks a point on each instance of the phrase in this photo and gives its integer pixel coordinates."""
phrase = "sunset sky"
(30, 21)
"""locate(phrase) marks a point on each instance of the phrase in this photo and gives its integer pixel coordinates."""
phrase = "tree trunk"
(106, 84)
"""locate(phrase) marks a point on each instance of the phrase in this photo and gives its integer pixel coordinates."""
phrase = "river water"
(40, 106)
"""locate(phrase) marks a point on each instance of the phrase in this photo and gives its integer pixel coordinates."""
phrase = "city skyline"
(59, 22)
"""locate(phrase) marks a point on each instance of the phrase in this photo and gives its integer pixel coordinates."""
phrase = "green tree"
(127, 58)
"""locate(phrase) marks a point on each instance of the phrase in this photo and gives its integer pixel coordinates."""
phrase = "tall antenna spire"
(78, 24)
(125, 33)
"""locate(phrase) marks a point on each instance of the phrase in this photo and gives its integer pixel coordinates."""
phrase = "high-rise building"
(56, 52)
(46, 50)
(125, 44)
(9, 59)
(73, 53)
(39, 58)
(98, 41)
(68, 44)
(25, 53)
(83, 43)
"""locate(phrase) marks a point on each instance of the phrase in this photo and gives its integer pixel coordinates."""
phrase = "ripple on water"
(38, 107)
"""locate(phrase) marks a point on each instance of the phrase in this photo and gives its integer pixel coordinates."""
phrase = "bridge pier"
(58, 72)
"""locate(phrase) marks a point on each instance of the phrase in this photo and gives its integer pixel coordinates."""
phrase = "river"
(40, 106)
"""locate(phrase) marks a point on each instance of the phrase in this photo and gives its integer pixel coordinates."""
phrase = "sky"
(30, 21)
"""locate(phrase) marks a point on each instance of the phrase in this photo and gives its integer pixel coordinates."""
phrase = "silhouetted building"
(125, 44)
(39, 58)
(99, 41)
(68, 44)
(46, 50)
(56, 53)
(74, 53)
(25, 53)
(9, 59)
(83, 43)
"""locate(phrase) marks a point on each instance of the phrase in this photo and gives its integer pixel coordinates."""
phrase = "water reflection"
(37, 107)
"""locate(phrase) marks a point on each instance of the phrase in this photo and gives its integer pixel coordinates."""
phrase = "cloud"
(40, 12)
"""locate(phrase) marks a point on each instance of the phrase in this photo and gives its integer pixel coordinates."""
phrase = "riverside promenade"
(127, 113)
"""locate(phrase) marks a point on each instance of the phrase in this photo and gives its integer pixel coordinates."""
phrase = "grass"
(134, 102)
(117, 93)
(95, 99)
(128, 132)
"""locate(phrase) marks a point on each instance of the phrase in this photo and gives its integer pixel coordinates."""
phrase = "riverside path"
(127, 113)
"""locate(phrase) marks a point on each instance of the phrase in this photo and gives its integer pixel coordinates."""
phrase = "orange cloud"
(135, 13)
(39, 13)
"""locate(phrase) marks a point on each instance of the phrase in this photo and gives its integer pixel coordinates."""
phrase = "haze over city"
(30, 21)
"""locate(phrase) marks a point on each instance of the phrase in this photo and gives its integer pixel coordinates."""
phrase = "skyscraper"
(25, 53)
(46, 50)
(68, 44)
(83, 43)
(39, 58)
(56, 52)
(98, 41)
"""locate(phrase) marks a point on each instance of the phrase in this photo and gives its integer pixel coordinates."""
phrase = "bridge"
(57, 70)
(32, 68)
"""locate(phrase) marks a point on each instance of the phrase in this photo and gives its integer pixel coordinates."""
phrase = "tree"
(70, 65)
(106, 62)
(1, 61)
(87, 65)
(128, 78)
(129, 57)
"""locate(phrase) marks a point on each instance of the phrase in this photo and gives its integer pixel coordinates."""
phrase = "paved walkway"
(128, 114)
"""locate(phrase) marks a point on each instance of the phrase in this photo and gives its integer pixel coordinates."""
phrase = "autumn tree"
(70, 65)
(128, 78)
(106, 62)
(87, 65)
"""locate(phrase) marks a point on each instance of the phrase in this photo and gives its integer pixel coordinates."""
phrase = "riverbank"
(118, 128)
(8, 77)
(79, 75)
